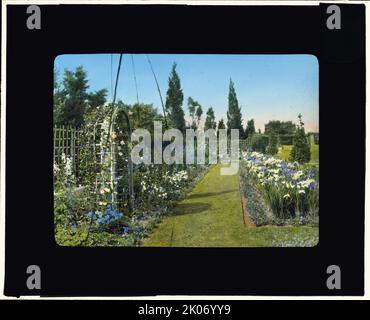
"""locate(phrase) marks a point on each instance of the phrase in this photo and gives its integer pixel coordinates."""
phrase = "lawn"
(212, 216)
(284, 152)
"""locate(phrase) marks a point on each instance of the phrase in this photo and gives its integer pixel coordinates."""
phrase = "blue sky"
(268, 87)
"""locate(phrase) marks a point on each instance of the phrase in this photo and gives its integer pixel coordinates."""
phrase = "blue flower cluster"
(311, 172)
(313, 185)
(288, 171)
(108, 216)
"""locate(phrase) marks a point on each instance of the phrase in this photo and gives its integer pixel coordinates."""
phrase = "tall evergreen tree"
(234, 116)
(59, 98)
(198, 114)
(195, 112)
(75, 87)
(301, 148)
(192, 104)
(174, 100)
(221, 124)
(210, 122)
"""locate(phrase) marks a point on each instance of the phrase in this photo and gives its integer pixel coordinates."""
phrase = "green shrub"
(258, 142)
(286, 139)
(69, 205)
(79, 237)
(301, 148)
(272, 147)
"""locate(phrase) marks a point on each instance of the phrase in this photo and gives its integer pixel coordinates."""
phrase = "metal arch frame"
(113, 118)
(114, 115)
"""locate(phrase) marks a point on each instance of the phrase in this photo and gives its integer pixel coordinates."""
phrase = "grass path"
(212, 216)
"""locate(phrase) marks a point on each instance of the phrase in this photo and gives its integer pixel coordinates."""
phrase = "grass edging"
(248, 221)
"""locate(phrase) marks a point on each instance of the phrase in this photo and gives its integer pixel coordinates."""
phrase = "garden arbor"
(106, 157)
(118, 114)
(109, 159)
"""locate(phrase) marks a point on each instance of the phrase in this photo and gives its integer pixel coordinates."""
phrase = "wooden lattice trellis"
(66, 141)
(99, 141)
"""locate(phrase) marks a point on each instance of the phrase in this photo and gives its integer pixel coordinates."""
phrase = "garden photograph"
(186, 150)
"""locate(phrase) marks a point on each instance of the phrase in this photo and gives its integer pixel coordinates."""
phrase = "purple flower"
(284, 164)
(312, 186)
(288, 171)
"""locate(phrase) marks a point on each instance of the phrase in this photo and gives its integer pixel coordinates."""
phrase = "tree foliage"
(279, 127)
(174, 100)
(71, 99)
(97, 98)
(221, 124)
(272, 147)
(75, 85)
(59, 98)
(142, 115)
(198, 114)
(234, 116)
(210, 122)
(301, 148)
(192, 105)
(250, 129)
(258, 142)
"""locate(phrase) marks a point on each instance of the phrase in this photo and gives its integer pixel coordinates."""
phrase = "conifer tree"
(234, 116)
(174, 100)
(75, 92)
(221, 124)
(301, 148)
(210, 122)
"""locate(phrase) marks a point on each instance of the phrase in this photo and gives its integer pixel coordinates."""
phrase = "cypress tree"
(234, 116)
(221, 124)
(174, 100)
(210, 122)
(301, 148)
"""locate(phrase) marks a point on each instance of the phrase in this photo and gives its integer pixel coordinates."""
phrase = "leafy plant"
(272, 147)
(257, 142)
(290, 191)
(301, 148)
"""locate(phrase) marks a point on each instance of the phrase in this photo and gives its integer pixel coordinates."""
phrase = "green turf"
(212, 216)
(284, 152)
